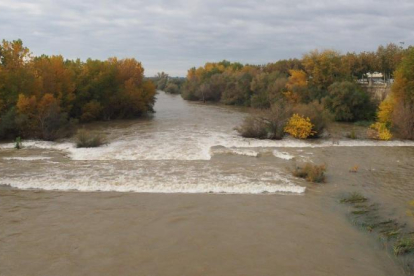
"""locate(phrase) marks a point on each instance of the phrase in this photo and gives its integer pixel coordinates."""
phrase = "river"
(181, 193)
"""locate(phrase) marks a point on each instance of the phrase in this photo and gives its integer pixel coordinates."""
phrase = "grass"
(363, 123)
(352, 135)
(359, 212)
(404, 245)
(367, 217)
(85, 139)
(354, 198)
(310, 172)
(18, 143)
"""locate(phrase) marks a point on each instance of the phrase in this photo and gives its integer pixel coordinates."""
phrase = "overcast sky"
(174, 35)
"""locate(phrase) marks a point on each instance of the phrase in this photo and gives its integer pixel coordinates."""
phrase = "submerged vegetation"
(85, 139)
(310, 172)
(44, 96)
(18, 143)
(354, 198)
(394, 235)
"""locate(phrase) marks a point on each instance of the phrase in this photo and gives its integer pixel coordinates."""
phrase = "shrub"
(85, 139)
(310, 172)
(18, 143)
(299, 127)
(317, 115)
(266, 124)
(379, 131)
(352, 135)
(253, 127)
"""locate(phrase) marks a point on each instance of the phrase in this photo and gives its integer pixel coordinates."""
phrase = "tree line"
(327, 80)
(164, 82)
(45, 96)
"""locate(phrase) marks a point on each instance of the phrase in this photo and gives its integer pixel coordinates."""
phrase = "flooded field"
(182, 194)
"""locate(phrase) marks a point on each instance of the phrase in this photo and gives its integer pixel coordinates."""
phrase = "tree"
(324, 68)
(348, 102)
(403, 88)
(296, 85)
(388, 58)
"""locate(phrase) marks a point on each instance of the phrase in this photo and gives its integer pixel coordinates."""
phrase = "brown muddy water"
(182, 194)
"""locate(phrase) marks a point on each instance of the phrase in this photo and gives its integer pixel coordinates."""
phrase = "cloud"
(175, 35)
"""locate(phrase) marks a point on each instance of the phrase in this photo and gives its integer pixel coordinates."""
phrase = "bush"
(266, 124)
(379, 131)
(85, 139)
(317, 115)
(18, 143)
(310, 172)
(352, 135)
(299, 127)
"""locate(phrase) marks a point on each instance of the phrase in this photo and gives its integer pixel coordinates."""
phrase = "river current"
(185, 147)
(184, 194)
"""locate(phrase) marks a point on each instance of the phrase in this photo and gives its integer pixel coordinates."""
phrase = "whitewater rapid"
(184, 148)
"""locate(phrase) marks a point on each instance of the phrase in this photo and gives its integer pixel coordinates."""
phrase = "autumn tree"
(403, 93)
(324, 68)
(296, 86)
(42, 97)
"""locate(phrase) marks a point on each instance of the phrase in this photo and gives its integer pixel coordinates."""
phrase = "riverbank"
(71, 233)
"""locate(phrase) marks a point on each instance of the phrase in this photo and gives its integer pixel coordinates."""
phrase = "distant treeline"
(324, 78)
(164, 82)
(44, 96)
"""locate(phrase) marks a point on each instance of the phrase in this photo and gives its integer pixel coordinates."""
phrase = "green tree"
(348, 102)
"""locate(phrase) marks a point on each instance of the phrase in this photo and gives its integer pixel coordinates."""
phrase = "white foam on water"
(27, 158)
(234, 151)
(190, 145)
(283, 155)
(153, 180)
(85, 185)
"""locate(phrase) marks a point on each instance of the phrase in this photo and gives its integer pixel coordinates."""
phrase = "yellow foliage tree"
(323, 66)
(299, 127)
(297, 78)
(381, 131)
(296, 81)
(26, 105)
(385, 110)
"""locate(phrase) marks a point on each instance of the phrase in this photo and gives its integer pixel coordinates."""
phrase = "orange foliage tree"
(42, 97)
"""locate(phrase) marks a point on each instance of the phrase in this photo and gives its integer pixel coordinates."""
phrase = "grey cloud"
(175, 35)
